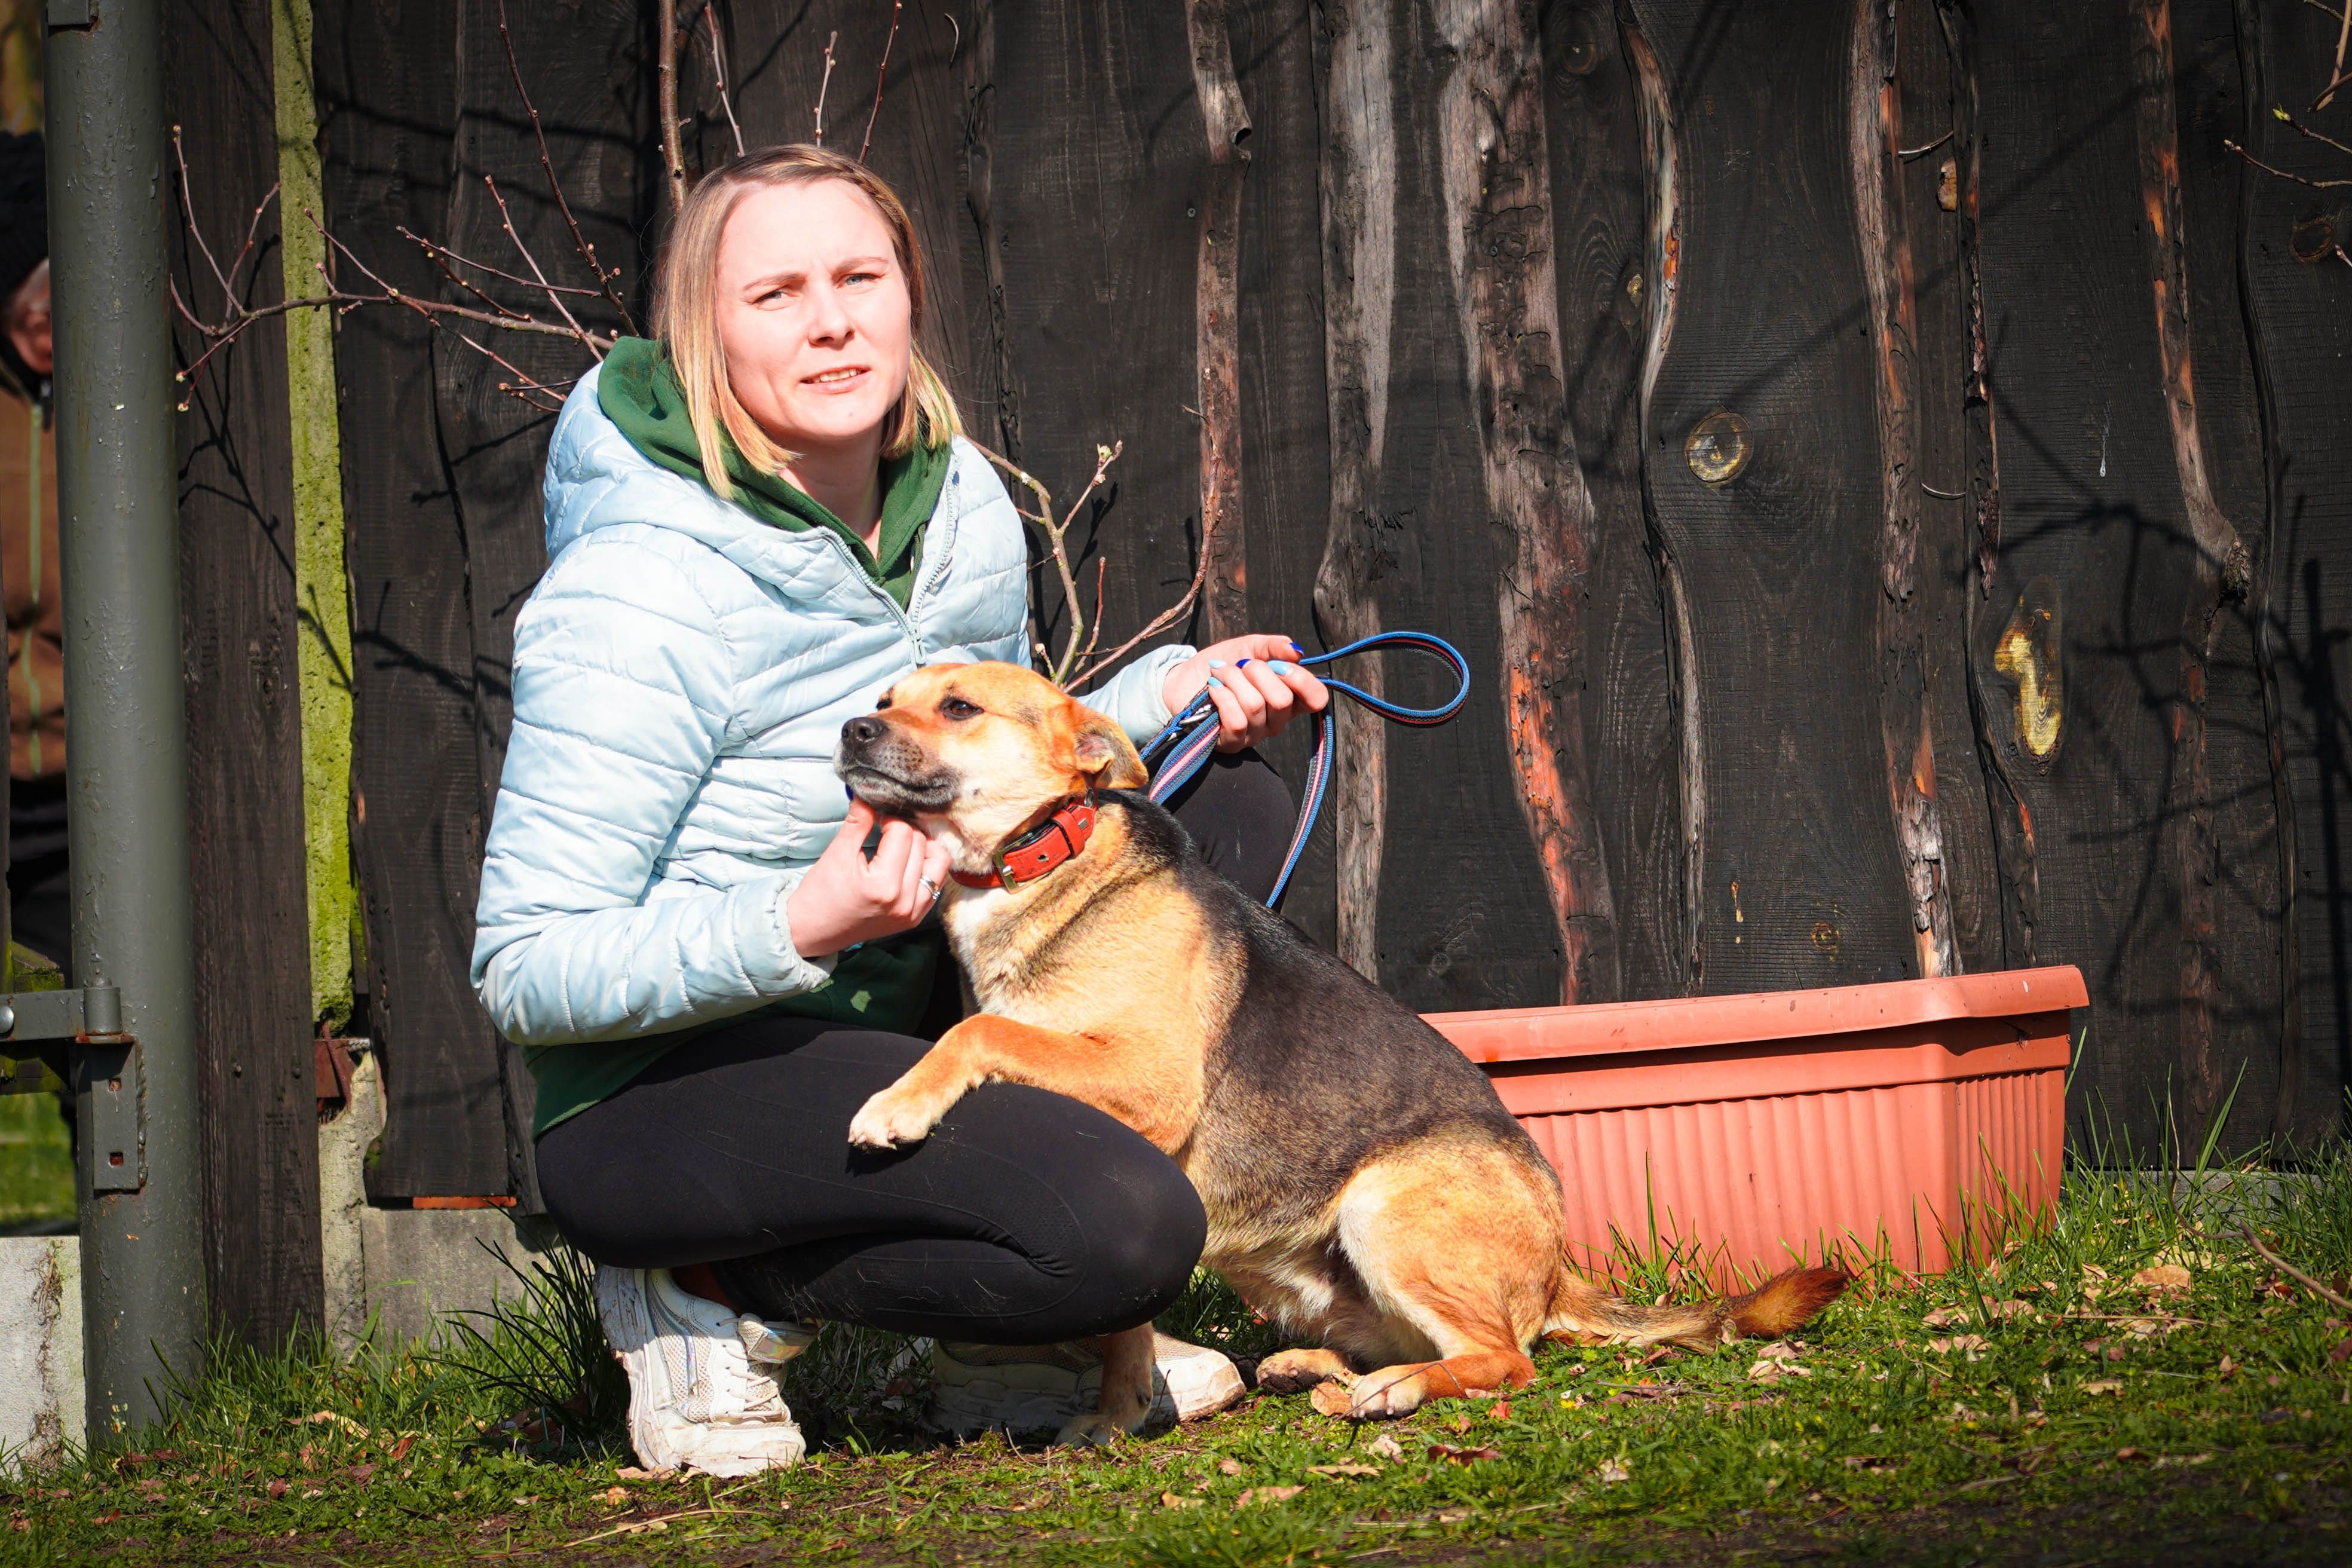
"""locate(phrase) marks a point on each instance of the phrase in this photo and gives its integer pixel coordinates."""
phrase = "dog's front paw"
(892, 1118)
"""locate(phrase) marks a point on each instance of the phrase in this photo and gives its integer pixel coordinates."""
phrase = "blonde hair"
(686, 310)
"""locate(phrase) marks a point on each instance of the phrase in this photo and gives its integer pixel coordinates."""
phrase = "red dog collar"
(1032, 854)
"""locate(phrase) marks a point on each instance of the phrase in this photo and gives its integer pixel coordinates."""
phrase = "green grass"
(36, 1166)
(2094, 1423)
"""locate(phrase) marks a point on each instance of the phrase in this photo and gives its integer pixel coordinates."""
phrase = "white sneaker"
(1036, 1388)
(703, 1390)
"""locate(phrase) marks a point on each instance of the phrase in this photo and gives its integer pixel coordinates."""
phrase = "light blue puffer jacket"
(681, 674)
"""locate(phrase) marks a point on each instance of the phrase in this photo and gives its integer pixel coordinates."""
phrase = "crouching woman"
(756, 523)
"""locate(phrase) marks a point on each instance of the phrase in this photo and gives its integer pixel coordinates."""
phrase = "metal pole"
(126, 752)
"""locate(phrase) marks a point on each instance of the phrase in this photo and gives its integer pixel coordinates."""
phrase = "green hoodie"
(639, 392)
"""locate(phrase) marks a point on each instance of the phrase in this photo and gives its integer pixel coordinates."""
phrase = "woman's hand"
(1255, 686)
(846, 899)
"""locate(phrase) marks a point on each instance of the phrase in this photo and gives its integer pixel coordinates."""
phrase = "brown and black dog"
(1365, 1189)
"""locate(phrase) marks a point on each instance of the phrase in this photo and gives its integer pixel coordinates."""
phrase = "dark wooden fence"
(1888, 463)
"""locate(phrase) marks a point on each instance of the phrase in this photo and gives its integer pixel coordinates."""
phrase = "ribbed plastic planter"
(1756, 1132)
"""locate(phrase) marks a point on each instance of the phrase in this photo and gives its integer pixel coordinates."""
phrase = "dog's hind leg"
(1457, 1247)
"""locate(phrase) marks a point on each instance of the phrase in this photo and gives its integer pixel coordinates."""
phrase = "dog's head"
(975, 753)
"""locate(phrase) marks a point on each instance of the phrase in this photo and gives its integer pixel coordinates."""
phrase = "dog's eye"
(957, 708)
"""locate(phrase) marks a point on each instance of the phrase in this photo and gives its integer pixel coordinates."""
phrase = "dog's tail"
(1582, 1314)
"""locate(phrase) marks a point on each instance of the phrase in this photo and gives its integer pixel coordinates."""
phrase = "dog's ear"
(1104, 753)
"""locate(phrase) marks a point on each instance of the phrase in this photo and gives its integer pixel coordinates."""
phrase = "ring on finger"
(930, 889)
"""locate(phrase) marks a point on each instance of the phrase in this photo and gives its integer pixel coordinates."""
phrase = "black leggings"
(1024, 1218)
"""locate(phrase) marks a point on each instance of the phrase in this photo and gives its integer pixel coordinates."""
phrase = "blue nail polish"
(1281, 667)
(1237, 665)
(1297, 652)
(1215, 682)
(1216, 664)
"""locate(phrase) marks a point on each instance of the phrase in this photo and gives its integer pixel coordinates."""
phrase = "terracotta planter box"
(1752, 1132)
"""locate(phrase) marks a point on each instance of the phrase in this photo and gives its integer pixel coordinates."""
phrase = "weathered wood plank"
(2300, 297)
(2097, 556)
(1285, 413)
(1359, 279)
(1930, 110)
(1495, 170)
(1889, 265)
(1600, 234)
(586, 74)
(1217, 318)
(2236, 849)
(387, 107)
(245, 784)
(1764, 484)
(1410, 483)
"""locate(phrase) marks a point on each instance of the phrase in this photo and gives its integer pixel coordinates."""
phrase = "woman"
(755, 525)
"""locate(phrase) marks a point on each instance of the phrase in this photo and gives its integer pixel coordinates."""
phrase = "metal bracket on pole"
(71, 14)
(51, 1038)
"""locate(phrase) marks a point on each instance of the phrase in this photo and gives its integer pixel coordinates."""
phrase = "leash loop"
(1182, 749)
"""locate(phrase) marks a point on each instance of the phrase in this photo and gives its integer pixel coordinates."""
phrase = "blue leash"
(1183, 747)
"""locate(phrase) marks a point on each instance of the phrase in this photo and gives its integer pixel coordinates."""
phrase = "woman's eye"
(957, 708)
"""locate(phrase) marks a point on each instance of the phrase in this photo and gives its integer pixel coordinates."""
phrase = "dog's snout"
(864, 729)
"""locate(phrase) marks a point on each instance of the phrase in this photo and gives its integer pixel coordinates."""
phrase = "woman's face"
(813, 314)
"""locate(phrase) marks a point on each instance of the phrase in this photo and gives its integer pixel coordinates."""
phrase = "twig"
(1907, 153)
(188, 203)
(2291, 1271)
(2282, 174)
(506, 221)
(719, 74)
(438, 250)
(882, 76)
(666, 96)
(2329, 91)
(1058, 668)
(825, 82)
(2342, 38)
(587, 251)
(2297, 126)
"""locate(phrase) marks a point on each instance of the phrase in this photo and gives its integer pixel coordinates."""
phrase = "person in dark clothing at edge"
(28, 562)
(758, 523)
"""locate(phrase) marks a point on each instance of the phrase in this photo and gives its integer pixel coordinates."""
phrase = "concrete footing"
(41, 1410)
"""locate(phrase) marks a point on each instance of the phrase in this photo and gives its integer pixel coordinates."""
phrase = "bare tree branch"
(719, 74)
(824, 83)
(666, 96)
(546, 162)
(2282, 174)
(881, 78)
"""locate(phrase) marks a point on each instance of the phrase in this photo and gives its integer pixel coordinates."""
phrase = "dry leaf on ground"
(1170, 1499)
(1611, 1471)
(1969, 1343)
(614, 1495)
(1267, 1494)
(1463, 1456)
(1386, 1447)
(1229, 1466)
(2162, 1277)
(1331, 1399)
(1944, 1317)
(2103, 1386)
(1349, 1470)
(631, 1473)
